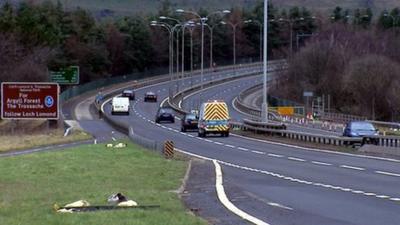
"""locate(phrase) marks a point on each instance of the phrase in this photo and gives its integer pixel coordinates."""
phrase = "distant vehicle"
(120, 105)
(150, 97)
(359, 129)
(214, 118)
(129, 94)
(165, 114)
(189, 122)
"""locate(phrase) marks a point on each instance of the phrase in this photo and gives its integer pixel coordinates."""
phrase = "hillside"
(144, 6)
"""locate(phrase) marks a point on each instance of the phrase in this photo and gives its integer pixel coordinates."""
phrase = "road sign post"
(29, 101)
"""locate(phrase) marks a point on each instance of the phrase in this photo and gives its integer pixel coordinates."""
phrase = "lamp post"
(291, 22)
(203, 20)
(234, 26)
(264, 106)
(170, 32)
(261, 33)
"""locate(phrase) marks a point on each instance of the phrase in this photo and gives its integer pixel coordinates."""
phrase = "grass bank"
(26, 141)
(31, 184)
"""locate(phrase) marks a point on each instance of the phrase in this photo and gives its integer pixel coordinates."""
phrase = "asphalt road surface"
(292, 185)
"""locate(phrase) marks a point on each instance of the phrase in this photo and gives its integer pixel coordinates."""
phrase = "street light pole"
(234, 38)
(202, 21)
(261, 35)
(264, 106)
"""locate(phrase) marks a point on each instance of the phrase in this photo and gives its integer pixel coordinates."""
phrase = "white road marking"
(257, 152)
(382, 196)
(230, 146)
(352, 167)
(226, 202)
(317, 150)
(387, 173)
(218, 143)
(190, 135)
(321, 163)
(243, 149)
(370, 194)
(279, 205)
(328, 186)
(113, 138)
(209, 141)
(274, 155)
(296, 159)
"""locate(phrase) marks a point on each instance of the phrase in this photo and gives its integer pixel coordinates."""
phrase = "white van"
(120, 105)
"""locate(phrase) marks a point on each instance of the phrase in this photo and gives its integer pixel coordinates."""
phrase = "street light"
(291, 22)
(234, 26)
(261, 33)
(264, 106)
(202, 20)
(170, 29)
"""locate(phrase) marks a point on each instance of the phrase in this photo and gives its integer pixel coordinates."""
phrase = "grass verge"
(27, 141)
(31, 184)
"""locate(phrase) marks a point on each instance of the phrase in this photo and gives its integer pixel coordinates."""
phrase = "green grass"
(27, 141)
(31, 184)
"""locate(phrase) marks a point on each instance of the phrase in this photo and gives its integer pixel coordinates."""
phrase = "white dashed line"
(257, 152)
(369, 194)
(321, 163)
(387, 173)
(296, 159)
(382, 196)
(352, 167)
(199, 138)
(243, 149)
(218, 143)
(230, 146)
(190, 135)
(274, 155)
(279, 205)
(395, 199)
(209, 141)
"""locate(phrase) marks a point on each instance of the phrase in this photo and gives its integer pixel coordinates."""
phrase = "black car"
(165, 114)
(150, 97)
(189, 122)
(129, 94)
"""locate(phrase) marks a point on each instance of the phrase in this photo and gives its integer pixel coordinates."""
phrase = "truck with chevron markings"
(214, 118)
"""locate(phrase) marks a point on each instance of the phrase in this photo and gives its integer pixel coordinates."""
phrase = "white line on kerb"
(321, 163)
(352, 167)
(226, 202)
(274, 155)
(296, 159)
(388, 173)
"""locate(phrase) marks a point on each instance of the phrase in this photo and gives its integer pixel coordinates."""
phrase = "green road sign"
(66, 76)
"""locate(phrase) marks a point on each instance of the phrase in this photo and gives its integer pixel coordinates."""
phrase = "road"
(282, 184)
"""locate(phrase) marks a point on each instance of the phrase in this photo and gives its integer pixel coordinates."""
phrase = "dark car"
(359, 129)
(150, 97)
(129, 94)
(165, 114)
(189, 122)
